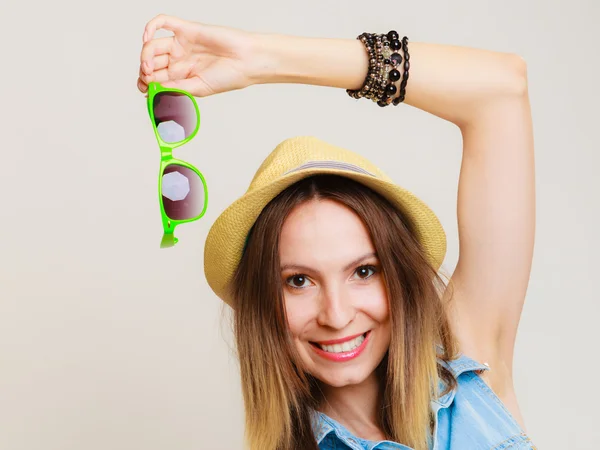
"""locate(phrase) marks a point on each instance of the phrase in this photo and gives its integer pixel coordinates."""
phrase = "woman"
(347, 335)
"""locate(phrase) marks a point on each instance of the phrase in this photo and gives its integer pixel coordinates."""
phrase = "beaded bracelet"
(402, 95)
(383, 73)
(370, 79)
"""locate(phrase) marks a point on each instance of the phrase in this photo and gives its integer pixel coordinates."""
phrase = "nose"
(336, 309)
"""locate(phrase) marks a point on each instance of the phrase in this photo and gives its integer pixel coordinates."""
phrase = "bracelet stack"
(385, 64)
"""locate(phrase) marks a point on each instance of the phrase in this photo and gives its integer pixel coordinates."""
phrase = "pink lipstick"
(341, 356)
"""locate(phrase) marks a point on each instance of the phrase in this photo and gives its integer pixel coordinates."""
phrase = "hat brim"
(227, 236)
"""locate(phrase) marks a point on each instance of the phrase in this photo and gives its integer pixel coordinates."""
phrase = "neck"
(356, 407)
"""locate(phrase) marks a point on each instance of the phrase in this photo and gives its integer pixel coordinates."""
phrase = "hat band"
(330, 165)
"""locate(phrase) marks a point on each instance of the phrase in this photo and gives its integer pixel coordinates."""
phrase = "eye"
(363, 272)
(297, 281)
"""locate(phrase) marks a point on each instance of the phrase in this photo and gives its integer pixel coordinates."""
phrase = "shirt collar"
(321, 426)
(457, 367)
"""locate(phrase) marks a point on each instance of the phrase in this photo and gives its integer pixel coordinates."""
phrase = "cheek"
(375, 303)
(299, 314)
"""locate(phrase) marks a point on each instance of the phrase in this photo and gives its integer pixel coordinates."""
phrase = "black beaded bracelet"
(391, 60)
(379, 69)
(367, 41)
(374, 67)
(383, 73)
(402, 94)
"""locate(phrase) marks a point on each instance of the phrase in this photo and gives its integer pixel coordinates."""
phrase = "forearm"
(448, 81)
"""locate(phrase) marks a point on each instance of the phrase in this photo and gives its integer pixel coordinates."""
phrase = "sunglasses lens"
(182, 192)
(174, 116)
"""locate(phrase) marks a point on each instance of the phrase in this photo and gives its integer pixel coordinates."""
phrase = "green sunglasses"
(182, 191)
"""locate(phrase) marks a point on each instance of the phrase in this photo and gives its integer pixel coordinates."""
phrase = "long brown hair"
(279, 397)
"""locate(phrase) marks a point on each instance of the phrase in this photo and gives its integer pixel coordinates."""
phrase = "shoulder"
(473, 412)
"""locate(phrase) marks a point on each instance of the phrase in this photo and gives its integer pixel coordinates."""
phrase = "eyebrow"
(356, 262)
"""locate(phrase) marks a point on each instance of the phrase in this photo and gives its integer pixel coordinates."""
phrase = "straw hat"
(292, 160)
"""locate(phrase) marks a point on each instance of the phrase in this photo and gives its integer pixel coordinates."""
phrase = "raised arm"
(485, 94)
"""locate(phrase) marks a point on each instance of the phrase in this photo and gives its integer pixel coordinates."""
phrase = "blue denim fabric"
(470, 417)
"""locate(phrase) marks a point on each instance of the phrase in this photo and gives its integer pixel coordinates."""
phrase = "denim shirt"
(470, 417)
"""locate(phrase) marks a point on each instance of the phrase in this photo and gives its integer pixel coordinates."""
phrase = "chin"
(341, 377)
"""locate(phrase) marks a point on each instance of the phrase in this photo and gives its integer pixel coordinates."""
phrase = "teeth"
(345, 347)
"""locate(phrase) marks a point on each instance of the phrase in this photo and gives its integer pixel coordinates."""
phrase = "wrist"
(264, 61)
(278, 58)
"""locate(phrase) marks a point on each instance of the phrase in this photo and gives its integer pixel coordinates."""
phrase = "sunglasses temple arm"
(168, 240)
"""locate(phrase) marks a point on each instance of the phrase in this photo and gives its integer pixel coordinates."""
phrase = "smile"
(340, 350)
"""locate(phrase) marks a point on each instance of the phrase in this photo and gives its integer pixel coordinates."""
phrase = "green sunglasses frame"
(167, 159)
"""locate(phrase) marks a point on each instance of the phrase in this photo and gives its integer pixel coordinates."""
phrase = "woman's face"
(334, 293)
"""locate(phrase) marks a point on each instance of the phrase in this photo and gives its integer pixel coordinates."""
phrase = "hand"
(200, 59)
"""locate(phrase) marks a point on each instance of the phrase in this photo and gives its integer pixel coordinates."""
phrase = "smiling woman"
(333, 335)
(347, 335)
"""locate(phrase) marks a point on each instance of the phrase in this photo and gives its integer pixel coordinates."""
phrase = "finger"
(162, 21)
(161, 62)
(158, 62)
(158, 75)
(142, 87)
(156, 47)
(145, 68)
(145, 77)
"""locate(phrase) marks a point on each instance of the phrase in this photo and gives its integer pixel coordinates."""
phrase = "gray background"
(108, 342)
